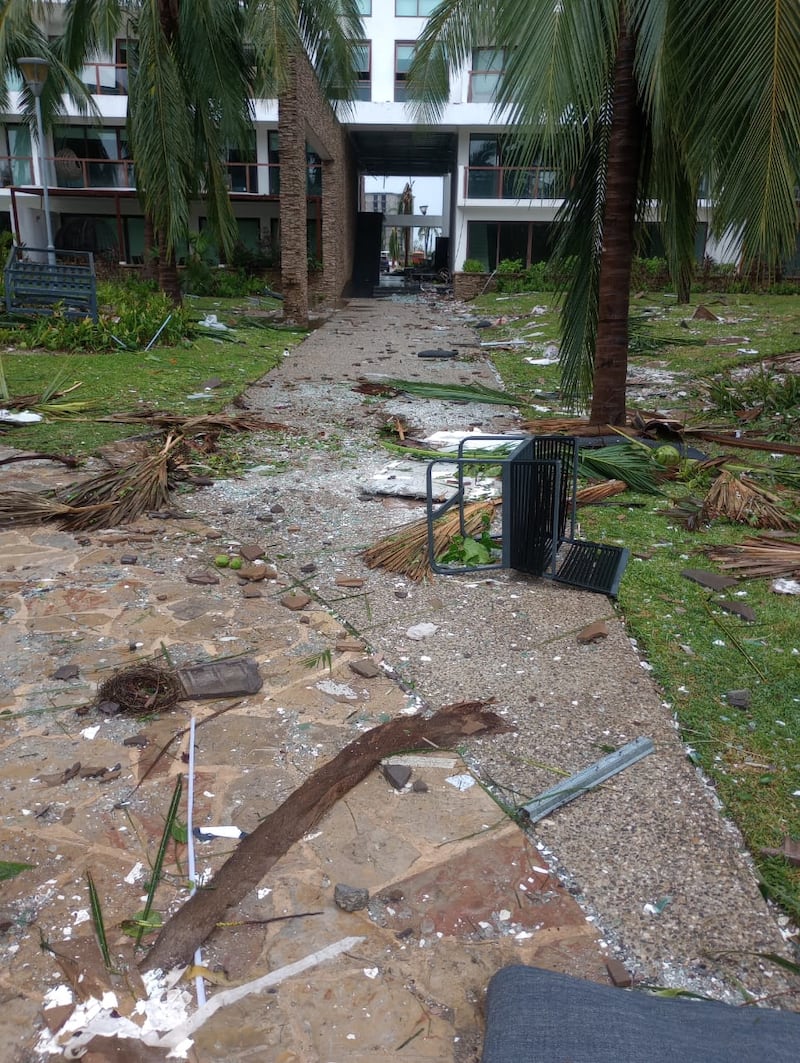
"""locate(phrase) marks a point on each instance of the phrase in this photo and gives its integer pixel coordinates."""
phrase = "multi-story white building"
(490, 209)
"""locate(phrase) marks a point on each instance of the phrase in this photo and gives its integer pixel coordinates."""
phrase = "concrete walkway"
(644, 870)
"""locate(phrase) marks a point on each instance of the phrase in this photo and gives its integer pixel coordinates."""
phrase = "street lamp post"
(34, 71)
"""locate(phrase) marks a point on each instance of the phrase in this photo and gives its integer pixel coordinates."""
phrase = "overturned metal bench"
(41, 281)
(537, 535)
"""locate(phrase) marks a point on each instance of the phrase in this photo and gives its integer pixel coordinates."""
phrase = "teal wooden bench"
(38, 281)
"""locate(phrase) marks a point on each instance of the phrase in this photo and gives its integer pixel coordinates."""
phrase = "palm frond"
(447, 392)
(405, 550)
(740, 499)
(621, 461)
(761, 556)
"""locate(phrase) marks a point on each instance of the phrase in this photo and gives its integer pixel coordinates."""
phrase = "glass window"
(19, 169)
(362, 57)
(88, 157)
(364, 7)
(483, 180)
(243, 178)
(414, 8)
(403, 55)
(274, 163)
(488, 65)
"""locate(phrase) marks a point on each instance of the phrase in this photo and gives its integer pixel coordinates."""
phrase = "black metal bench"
(539, 480)
(38, 281)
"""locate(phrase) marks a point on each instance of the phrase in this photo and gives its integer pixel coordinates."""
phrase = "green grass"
(697, 651)
(124, 382)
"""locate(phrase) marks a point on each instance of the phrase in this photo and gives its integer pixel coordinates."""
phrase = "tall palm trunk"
(168, 278)
(624, 157)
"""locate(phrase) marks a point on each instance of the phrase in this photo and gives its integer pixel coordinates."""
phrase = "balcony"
(67, 170)
(511, 182)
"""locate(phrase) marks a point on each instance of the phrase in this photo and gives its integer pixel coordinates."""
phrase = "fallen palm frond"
(212, 422)
(27, 507)
(405, 550)
(622, 461)
(762, 556)
(443, 392)
(594, 493)
(743, 501)
(124, 494)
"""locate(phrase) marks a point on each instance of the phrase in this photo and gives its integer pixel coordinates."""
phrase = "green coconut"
(669, 457)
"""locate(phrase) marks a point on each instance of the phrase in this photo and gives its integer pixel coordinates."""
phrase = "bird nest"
(142, 689)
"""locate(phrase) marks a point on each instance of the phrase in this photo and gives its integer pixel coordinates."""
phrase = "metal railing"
(511, 182)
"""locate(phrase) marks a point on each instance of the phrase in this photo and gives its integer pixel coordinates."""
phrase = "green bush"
(472, 265)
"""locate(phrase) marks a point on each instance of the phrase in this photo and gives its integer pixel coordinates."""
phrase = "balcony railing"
(511, 182)
(67, 170)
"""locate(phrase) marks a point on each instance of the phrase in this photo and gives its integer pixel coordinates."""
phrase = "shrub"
(472, 265)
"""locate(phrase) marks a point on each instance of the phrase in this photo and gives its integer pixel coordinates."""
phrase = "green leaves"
(10, 869)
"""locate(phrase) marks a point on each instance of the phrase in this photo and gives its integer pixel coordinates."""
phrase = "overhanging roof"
(412, 152)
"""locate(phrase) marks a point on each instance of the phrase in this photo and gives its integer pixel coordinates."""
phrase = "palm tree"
(194, 66)
(637, 100)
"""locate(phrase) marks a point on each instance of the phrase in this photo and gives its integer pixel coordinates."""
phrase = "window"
(17, 167)
(242, 169)
(403, 55)
(488, 66)
(313, 168)
(414, 8)
(363, 62)
(492, 242)
(364, 7)
(495, 172)
(90, 157)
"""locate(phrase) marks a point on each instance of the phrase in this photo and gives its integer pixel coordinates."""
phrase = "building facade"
(297, 191)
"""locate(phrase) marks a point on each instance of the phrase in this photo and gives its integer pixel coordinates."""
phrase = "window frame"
(364, 84)
(433, 4)
(401, 76)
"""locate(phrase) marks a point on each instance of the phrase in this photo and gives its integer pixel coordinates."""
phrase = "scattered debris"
(366, 668)
(713, 580)
(588, 779)
(67, 671)
(593, 632)
(296, 601)
(618, 973)
(418, 632)
(220, 679)
(743, 501)
(397, 775)
(741, 609)
(785, 586)
(739, 699)
(405, 550)
(142, 688)
(702, 313)
(761, 556)
(350, 898)
(790, 850)
(189, 927)
(61, 777)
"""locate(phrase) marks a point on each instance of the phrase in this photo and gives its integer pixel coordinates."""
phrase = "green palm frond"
(746, 130)
(622, 461)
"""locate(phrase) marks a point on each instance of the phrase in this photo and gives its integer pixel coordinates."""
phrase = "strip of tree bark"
(301, 811)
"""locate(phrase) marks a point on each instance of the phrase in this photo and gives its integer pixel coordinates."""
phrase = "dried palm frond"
(742, 500)
(762, 556)
(123, 493)
(27, 507)
(594, 493)
(405, 550)
(212, 422)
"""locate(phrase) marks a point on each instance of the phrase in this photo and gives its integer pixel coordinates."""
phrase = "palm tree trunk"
(168, 278)
(622, 176)
(150, 267)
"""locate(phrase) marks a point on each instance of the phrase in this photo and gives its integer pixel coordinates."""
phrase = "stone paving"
(457, 889)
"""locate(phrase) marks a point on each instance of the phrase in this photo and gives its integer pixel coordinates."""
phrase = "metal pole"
(43, 177)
